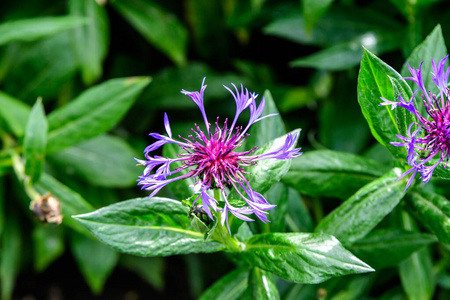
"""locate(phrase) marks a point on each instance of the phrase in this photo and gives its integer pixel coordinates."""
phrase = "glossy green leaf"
(151, 269)
(388, 247)
(161, 28)
(35, 142)
(433, 211)
(92, 113)
(268, 129)
(374, 82)
(288, 255)
(147, 227)
(339, 25)
(15, 113)
(37, 28)
(261, 285)
(95, 260)
(403, 117)
(92, 39)
(11, 243)
(229, 287)
(71, 202)
(267, 172)
(48, 242)
(358, 215)
(313, 10)
(103, 161)
(432, 47)
(331, 173)
(278, 195)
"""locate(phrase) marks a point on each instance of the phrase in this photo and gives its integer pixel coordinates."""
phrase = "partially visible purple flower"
(211, 159)
(431, 138)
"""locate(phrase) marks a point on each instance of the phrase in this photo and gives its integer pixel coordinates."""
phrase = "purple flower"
(211, 158)
(431, 138)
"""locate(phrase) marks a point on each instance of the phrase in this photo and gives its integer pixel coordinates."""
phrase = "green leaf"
(147, 227)
(267, 172)
(11, 243)
(71, 202)
(288, 255)
(37, 28)
(151, 269)
(92, 39)
(92, 113)
(374, 82)
(268, 129)
(39, 69)
(331, 173)
(229, 287)
(15, 113)
(278, 195)
(433, 211)
(261, 285)
(358, 215)
(432, 47)
(388, 247)
(313, 10)
(48, 242)
(103, 161)
(403, 117)
(35, 142)
(2, 205)
(416, 274)
(95, 260)
(298, 218)
(162, 29)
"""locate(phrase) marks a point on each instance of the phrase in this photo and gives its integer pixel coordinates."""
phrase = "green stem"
(221, 233)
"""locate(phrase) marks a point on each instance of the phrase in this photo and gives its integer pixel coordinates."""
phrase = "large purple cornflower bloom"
(431, 138)
(211, 158)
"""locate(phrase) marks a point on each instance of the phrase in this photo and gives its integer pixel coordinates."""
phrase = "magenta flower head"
(431, 136)
(212, 159)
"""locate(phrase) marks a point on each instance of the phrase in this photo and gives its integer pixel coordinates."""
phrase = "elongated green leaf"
(11, 242)
(261, 285)
(416, 274)
(93, 112)
(34, 29)
(388, 247)
(15, 113)
(433, 211)
(92, 39)
(373, 83)
(331, 173)
(48, 242)
(298, 217)
(147, 227)
(40, 69)
(151, 269)
(104, 161)
(358, 215)
(71, 202)
(278, 195)
(95, 260)
(160, 28)
(229, 287)
(289, 255)
(313, 10)
(35, 142)
(432, 47)
(2, 205)
(268, 129)
(403, 117)
(267, 172)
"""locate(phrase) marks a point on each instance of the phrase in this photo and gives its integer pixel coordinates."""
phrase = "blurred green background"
(306, 53)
